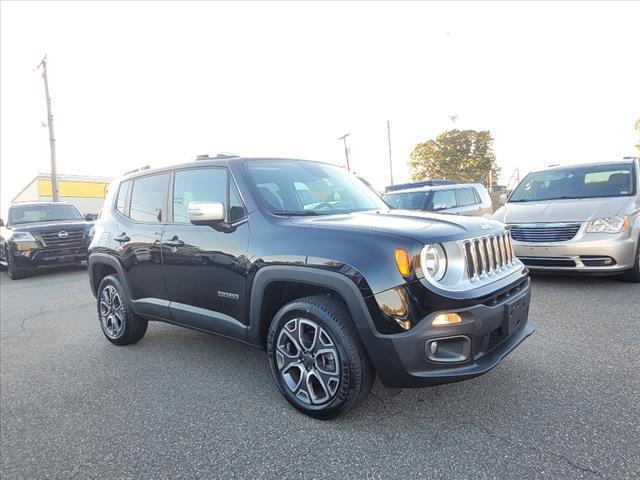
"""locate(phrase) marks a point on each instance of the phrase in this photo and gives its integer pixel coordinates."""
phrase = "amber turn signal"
(446, 319)
(402, 262)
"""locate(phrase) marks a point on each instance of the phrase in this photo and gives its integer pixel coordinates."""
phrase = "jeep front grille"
(488, 255)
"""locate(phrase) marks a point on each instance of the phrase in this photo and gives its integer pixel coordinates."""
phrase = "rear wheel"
(633, 274)
(316, 357)
(117, 321)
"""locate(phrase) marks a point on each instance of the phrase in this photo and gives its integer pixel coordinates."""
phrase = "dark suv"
(301, 258)
(43, 234)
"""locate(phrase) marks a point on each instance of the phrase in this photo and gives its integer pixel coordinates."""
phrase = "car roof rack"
(146, 167)
(219, 156)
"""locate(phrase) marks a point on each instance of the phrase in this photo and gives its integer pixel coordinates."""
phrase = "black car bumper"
(41, 258)
(432, 355)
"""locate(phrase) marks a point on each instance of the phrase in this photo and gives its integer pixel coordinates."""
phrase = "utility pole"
(346, 150)
(52, 138)
(390, 162)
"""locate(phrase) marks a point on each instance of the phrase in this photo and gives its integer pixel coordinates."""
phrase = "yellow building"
(85, 192)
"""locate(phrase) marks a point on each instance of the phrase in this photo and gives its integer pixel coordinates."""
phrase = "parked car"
(424, 183)
(461, 199)
(579, 218)
(43, 234)
(303, 259)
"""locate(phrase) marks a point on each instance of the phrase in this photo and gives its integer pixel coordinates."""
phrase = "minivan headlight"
(433, 260)
(22, 237)
(615, 224)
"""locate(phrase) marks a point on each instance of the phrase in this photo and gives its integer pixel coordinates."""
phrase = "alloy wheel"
(308, 361)
(111, 312)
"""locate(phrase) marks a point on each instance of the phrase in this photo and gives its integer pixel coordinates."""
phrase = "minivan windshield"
(42, 213)
(298, 187)
(595, 181)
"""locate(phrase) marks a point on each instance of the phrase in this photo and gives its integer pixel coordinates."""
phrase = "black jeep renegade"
(303, 259)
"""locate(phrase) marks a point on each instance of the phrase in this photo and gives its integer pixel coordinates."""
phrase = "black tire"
(15, 273)
(337, 334)
(119, 314)
(633, 275)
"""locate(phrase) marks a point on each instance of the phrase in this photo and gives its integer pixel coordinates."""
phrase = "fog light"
(446, 319)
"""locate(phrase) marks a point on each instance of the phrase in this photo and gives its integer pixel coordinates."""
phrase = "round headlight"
(433, 260)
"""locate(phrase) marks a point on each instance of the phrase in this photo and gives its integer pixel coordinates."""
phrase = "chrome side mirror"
(503, 198)
(206, 213)
(439, 206)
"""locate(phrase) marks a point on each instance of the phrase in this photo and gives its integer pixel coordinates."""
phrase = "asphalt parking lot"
(183, 404)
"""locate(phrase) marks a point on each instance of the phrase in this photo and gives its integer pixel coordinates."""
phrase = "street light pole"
(52, 138)
(346, 150)
(390, 162)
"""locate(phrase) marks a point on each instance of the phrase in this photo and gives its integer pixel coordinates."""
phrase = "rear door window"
(443, 199)
(148, 198)
(465, 197)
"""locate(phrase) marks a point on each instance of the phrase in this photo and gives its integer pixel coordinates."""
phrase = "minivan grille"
(74, 237)
(544, 232)
(490, 254)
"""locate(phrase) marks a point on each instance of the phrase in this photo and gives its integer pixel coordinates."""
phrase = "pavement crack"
(559, 456)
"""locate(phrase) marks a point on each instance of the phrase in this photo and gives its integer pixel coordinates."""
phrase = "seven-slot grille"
(73, 238)
(490, 254)
(544, 232)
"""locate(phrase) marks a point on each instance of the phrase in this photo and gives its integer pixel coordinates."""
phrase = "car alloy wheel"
(308, 361)
(112, 316)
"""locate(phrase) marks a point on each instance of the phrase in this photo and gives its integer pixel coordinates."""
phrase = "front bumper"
(32, 258)
(592, 253)
(491, 329)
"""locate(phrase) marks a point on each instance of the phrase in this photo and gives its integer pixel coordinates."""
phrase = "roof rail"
(219, 156)
(146, 167)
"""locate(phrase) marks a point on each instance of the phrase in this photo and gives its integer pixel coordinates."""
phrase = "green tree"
(465, 156)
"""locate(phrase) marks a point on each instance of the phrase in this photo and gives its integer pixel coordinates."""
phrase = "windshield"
(407, 200)
(613, 180)
(300, 187)
(42, 213)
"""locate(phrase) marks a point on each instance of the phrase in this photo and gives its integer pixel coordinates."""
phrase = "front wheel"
(316, 357)
(633, 274)
(14, 272)
(117, 321)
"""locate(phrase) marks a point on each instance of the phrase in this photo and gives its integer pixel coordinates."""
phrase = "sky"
(157, 83)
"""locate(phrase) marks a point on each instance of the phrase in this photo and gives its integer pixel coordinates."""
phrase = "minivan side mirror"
(503, 198)
(206, 213)
(439, 206)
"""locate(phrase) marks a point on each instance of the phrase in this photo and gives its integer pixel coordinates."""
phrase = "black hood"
(56, 226)
(421, 226)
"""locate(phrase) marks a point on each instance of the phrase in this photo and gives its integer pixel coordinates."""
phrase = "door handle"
(122, 238)
(174, 242)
